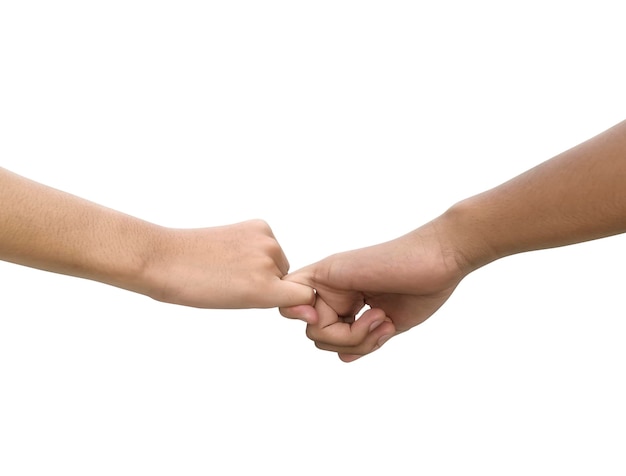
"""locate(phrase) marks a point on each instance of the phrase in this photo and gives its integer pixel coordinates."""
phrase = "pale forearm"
(579, 195)
(232, 266)
(45, 228)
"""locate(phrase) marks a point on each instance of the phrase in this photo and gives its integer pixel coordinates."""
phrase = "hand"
(233, 266)
(403, 281)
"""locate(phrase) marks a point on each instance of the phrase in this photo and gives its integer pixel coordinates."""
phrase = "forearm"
(232, 266)
(577, 196)
(45, 228)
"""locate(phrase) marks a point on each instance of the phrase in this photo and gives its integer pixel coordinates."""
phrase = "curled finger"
(337, 334)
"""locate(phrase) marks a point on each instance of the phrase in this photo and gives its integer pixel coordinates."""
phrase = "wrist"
(141, 246)
(463, 236)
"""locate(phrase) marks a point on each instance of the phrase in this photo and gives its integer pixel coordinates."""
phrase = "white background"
(343, 124)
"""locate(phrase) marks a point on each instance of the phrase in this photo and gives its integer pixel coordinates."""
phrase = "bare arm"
(577, 196)
(234, 266)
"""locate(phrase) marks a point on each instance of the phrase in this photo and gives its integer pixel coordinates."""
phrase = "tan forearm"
(577, 196)
(49, 229)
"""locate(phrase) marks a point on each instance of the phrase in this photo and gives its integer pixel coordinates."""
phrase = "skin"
(233, 266)
(577, 196)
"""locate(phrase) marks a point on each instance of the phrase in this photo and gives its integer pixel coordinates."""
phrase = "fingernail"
(383, 339)
(375, 324)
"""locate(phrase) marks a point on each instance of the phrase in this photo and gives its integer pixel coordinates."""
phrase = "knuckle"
(310, 333)
(260, 224)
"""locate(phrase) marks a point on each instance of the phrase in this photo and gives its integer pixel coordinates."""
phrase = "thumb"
(306, 313)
